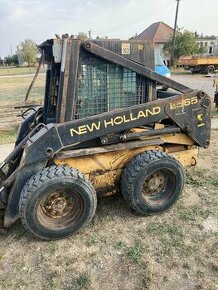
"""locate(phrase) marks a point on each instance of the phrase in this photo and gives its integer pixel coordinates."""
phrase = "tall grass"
(7, 71)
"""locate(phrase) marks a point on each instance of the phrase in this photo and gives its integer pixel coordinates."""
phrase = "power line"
(134, 20)
(128, 23)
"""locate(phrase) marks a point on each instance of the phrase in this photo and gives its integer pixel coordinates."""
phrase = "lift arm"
(134, 66)
(190, 112)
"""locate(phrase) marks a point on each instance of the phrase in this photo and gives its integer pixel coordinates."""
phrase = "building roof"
(158, 32)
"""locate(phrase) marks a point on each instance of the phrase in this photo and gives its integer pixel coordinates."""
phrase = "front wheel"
(56, 202)
(152, 182)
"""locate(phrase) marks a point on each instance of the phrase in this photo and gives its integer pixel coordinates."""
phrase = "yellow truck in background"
(206, 64)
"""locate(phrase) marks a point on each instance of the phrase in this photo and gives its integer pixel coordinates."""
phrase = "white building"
(210, 44)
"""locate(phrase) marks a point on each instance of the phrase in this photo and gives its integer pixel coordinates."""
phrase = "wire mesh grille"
(103, 87)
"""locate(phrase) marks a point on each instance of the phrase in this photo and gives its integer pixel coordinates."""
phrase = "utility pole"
(174, 34)
(90, 34)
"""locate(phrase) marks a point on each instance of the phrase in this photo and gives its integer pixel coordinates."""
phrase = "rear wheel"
(210, 70)
(152, 182)
(56, 202)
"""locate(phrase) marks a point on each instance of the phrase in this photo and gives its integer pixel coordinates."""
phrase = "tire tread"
(47, 174)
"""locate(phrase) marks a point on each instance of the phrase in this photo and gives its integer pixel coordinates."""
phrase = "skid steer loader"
(103, 127)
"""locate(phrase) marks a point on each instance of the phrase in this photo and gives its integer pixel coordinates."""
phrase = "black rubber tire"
(210, 70)
(69, 187)
(3, 194)
(142, 167)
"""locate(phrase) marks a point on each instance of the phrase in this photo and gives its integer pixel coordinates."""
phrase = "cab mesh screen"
(103, 87)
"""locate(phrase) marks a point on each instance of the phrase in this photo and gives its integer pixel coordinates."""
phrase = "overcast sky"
(41, 19)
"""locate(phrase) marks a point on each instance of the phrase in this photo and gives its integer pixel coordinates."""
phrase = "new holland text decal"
(118, 120)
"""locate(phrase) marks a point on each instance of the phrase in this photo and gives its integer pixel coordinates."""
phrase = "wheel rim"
(158, 187)
(60, 209)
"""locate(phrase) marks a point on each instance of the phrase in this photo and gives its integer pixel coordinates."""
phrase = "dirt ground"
(120, 250)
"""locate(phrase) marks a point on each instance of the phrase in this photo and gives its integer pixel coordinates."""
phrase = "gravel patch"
(199, 82)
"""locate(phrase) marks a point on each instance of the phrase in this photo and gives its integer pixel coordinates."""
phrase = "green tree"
(15, 59)
(8, 60)
(185, 44)
(30, 51)
(82, 35)
(11, 60)
(133, 36)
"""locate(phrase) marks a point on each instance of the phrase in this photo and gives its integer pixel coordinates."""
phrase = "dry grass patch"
(8, 136)
(122, 250)
(5, 71)
(13, 89)
(125, 251)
